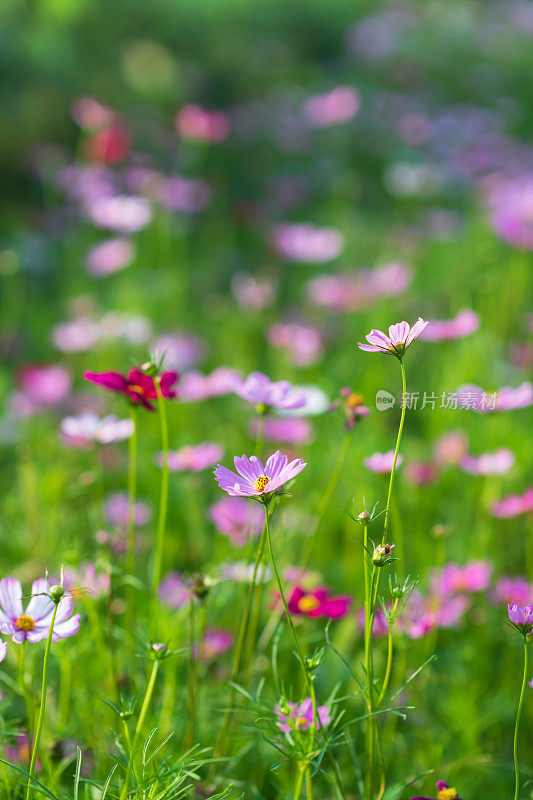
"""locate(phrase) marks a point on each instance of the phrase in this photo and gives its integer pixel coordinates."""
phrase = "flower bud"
(150, 368)
(364, 517)
(159, 649)
(381, 554)
(397, 592)
(56, 593)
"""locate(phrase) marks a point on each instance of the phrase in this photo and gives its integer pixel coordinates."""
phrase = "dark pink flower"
(109, 146)
(444, 792)
(136, 385)
(318, 603)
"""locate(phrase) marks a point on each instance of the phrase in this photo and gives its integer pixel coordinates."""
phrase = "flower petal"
(11, 597)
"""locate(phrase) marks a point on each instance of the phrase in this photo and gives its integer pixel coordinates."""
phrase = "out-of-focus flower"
(256, 480)
(424, 613)
(236, 518)
(380, 626)
(387, 280)
(252, 292)
(381, 463)
(109, 256)
(136, 385)
(83, 333)
(193, 458)
(20, 752)
(454, 579)
(421, 473)
(117, 510)
(511, 212)
(300, 716)
(451, 447)
(186, 195)
(75, 336)
(34, 623)
(121, 213)
(513, 590)
(318, 603)
(109, 146)
(463, 324)
(315, 402)
(521, 617)
(87, 429)
(304, 343)
(514, 505)
(86, 578)
(44, 385)
(349, 292)
(306, 242)
(507, 398)
(215, 643)
(339, 105)
(174, 591)
(194, 386)
(179, 351)
(352, 405)
(265, 394)
(195, 122)
(497, 463)
(90, 113)
(241, 572)
(444, 792)
(289, 430)
(396, 343)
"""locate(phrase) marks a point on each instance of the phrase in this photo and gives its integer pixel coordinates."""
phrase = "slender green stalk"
(518, 715)
(163, 500)
(132, 491)
(298, 783)
(138, 728)
(388, 668)
(308, 785)
(40, 721)
(396, 451)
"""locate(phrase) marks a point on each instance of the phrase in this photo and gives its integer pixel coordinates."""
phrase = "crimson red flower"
(318, 603)
(136, 385)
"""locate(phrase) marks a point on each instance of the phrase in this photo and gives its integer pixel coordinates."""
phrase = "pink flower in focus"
(381, 463)
(304, 343)
(193, 458)
(88, 429)
(300, 716)
(396, 343)
(497, 463)
(236, 518)
(173, 591)
(109, 256)
(254, 479)
(318, 603)
(194, 386)
(265, 394)
(339, 105)
(287, 430)
(306, 242)
(463, 324)
(451, 447)
(136, 385)
(117, 510)
(195, 122)
(34, 623)
(514, 505)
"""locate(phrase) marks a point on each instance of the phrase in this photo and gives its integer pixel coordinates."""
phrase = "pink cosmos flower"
(444, 792)
(265, 394)
(318, 603)
(193, 458)
(513, 590)
(137, 386)
(75, 336)
(109, 256)
(88, 429)
(396, 343)
(464, 324)
(236, 518)
(34, 623)
(304, 343)
(290, 430)
(117, 510)
(85, 578)
(254, 479)
(421, 473)
(514, 505)
(195, 122)
(90, 113)
(454, 579)
(339, 105)
(497, 463)
(521, 617)
(180, 351)
(300, 716)
(338, 293)
(387, 280)
(423, 613)
(194, 386)
(306, 242)
(451, 447)
(173, 591)
(44, 385)
(109, 146)
(381, 463)
(507, 398)
(215, 643)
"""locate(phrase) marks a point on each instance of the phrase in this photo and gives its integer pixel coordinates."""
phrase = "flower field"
(266, 378)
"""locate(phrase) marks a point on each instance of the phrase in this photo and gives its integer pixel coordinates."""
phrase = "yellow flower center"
(25, 623)
(354, 400)
(447, 794)
(261, 482)
(308, 603)
(134, 387)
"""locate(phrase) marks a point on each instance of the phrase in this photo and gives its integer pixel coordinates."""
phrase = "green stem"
(298, 784)
(138, 728)
(308, 785)
(518, 715)
(163, 500)
(132, 491)
(40, 721)
(388, 668)
(396, 451)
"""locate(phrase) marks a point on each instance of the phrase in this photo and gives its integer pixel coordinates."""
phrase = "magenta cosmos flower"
(264, 394)
(34, 623)
(444, 792)
(140, 388)
(300, 716)
(193, 458)
(396, 343)
(318, 603)
(521, 617)
(514, 505)
(256, 480)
